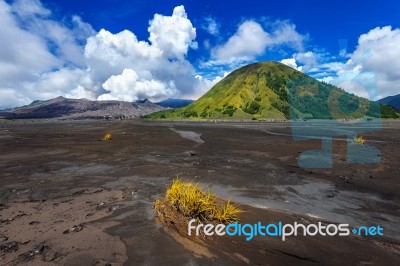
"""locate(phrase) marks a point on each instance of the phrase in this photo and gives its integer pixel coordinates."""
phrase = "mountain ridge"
(65, 108)
(391, 100)
(272, 90)
(175, 103)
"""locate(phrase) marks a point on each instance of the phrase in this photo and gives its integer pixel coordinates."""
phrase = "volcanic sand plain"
(69, 198)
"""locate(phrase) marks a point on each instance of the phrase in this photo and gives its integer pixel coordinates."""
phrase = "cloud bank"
(370, 71)
(73, 60)
(251, 40)
(32, 45)
(42, 57)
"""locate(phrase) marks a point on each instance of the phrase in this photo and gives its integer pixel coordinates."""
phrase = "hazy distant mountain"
(272, 90)
(61, 107)
(392, 101)
(175, 103)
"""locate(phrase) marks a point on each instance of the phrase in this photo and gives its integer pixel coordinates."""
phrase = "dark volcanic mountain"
(61, 107)
(175, 103)
(272, 90)
(392, 101)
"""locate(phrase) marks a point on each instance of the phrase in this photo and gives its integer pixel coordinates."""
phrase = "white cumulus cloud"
(35, 50)
(17, 59)
(292, 63)
(129, 87)
(173, 35)
(251, 40)
(158, 62)
(42, 58)
(372, 70)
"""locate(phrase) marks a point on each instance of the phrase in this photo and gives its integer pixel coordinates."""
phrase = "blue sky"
(130, 50)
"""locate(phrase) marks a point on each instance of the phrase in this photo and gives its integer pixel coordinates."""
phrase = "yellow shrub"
(107, 136)
(227, 213)
(359, 140)
(192, 201)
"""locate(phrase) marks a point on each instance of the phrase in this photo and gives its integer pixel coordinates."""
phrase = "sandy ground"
(67, 198)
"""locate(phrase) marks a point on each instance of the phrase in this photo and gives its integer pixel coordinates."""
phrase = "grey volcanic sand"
(57, 174)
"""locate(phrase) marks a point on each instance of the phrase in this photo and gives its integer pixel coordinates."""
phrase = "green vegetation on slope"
(273, 90)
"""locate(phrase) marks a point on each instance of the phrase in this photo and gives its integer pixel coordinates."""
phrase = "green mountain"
(392, 101)
(273, 90)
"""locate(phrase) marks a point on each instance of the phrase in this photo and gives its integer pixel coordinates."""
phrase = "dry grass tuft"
(107, 136)
(359, 140)
(190, 200)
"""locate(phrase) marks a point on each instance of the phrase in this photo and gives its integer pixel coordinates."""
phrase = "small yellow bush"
(227, 213)
(192, 201)
(359, 140)
(107, 136)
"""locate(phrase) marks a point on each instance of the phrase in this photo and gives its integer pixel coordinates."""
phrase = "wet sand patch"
(190, 135)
